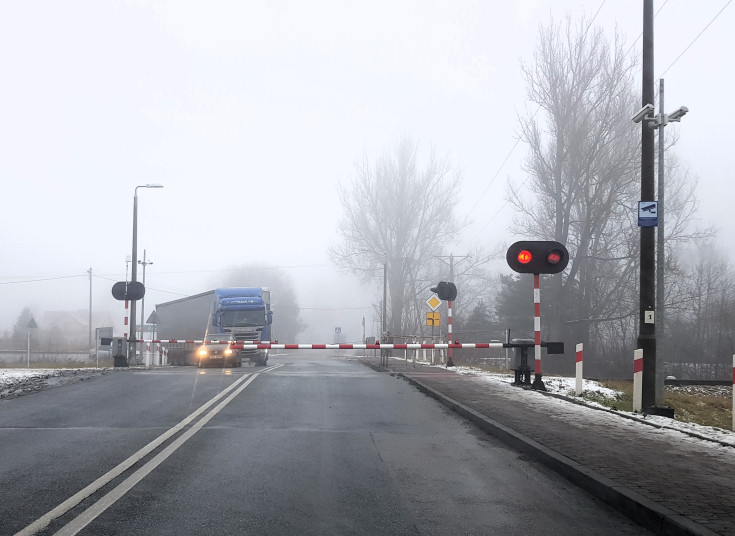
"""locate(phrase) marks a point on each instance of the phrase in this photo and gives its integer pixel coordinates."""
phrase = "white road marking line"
(44, 521)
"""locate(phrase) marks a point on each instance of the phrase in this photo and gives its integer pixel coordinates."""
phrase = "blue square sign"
(647, 213)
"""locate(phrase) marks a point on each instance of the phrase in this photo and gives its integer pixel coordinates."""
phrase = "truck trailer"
(225, 315)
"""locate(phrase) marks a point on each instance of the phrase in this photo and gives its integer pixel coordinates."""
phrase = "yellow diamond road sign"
(434, 302)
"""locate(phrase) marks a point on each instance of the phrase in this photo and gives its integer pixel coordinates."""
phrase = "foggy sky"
(250, 114)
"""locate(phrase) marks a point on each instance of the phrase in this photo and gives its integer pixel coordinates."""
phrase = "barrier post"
(450, 362)
(126, 318)
(638, 380)
(578, 382)
(537, 381)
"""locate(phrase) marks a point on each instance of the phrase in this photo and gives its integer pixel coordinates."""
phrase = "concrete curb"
(653, 516)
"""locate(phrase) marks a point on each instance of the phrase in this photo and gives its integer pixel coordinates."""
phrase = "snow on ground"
(18, 382)
(565, 387)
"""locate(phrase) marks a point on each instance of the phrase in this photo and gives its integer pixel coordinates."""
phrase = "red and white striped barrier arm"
(537, 321)
(190, 341)
(265, 345)
(407, 346)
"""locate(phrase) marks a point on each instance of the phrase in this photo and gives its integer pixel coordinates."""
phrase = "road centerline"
(238, 386)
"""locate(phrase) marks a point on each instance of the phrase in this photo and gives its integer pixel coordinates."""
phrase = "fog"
(251, 113)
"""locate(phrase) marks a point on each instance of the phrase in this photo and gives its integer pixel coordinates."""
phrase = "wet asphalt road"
(313, 444)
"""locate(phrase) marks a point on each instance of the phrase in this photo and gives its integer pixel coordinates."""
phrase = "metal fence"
(699, 371)
(22, 359)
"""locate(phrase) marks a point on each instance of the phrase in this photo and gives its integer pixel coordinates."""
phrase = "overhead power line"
(36, 280)
(695, 39)
(515, 145)
(518, 140)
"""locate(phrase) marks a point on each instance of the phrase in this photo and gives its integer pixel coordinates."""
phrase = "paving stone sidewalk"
(667, 481)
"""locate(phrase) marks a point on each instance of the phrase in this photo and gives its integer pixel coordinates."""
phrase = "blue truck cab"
(239, 314)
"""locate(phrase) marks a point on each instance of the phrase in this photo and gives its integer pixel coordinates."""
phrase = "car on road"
(218, 353)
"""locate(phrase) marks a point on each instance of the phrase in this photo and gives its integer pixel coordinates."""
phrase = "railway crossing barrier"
(522, 345)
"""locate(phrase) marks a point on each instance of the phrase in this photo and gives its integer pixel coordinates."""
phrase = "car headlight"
(203, 353)
(228, 352)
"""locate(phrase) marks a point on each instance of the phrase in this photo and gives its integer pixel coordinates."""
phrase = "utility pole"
(144, 263)
(90, 308)
(450, 340)
(31, 326)
(127, 302)
(660, 255)
(647, 328)
(383, 334)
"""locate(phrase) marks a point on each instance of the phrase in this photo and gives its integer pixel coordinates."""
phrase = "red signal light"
(554, 257)
(524, 256)
(537, 257)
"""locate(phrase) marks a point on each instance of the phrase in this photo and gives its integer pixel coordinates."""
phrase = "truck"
(216, 319)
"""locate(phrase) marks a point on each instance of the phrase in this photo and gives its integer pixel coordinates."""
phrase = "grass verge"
(698, 408)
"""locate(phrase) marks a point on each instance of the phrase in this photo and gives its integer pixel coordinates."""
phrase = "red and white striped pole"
(537, 382)
(450, 363)
(126, 318)
(638, 380)
(578, 382)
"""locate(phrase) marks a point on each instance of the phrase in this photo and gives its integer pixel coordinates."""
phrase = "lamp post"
(134, 272)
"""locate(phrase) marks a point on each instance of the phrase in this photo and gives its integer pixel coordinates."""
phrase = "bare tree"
(583, 181)
(581, 169)
(397, 213)
(702, 319)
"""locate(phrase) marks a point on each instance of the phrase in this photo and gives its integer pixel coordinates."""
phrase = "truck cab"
(240, 315)
(230, 315)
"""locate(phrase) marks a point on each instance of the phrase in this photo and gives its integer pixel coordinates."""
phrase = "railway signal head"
(446, 291)
(537, 257)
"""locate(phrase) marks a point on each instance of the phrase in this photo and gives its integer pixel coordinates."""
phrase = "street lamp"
(134, 271)
(659, 121)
